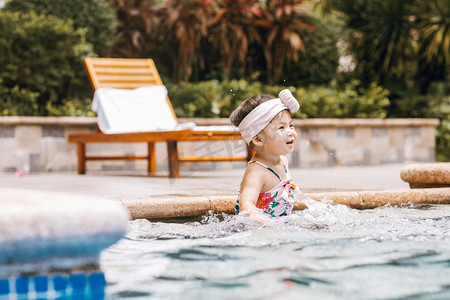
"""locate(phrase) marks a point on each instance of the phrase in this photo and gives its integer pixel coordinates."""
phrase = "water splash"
(323, 251)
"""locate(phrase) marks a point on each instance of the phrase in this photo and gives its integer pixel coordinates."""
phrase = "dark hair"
(247, 106)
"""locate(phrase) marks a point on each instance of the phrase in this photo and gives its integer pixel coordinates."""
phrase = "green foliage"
(227, 39)
(44, 55)
(350, 101)
(218, 99)
(409, 104)
(17, 101)
(318, 63)
(433, 23)
(442, 111)
(443, 141)
(435, 104)
(397, 39)
(280, 26)
(232, 31)
(137, 20)
(73, 108)
(209, 99)
(193, 100)
(95, 17)
(380, 36)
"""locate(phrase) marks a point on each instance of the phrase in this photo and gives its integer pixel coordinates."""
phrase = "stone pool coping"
(160, 208)
(429, 175)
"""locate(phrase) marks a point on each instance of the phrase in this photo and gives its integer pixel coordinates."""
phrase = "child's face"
(279, 136)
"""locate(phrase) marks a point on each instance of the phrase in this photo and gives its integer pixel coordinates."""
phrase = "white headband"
(264, 113)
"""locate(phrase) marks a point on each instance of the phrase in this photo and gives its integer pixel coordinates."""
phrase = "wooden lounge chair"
(121, 73)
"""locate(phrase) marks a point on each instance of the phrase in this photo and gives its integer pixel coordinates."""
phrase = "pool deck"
(118, 186)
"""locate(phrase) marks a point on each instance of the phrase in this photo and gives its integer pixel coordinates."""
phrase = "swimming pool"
(325, 252)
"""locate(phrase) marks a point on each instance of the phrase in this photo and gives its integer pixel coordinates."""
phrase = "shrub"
(44, 55)
(74, 107)
(440, 108)
(319, 62)
(443, 141)
(17, 101)
(351, 101)
(193, 100)
(435, 104)
(210, 99)
(219, 99)
(96, 17)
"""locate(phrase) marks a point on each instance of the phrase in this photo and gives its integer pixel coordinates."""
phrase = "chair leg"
(151, 159)
(172, 158)
(81, 151)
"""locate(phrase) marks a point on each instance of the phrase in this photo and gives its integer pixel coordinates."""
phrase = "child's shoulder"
(254, 168)
(254, 175)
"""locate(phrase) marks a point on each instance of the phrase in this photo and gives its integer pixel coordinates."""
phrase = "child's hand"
(258, 216)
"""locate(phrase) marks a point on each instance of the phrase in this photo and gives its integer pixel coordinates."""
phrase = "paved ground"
(115, 185)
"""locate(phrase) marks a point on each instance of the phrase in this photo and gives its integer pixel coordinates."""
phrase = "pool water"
(325, 252)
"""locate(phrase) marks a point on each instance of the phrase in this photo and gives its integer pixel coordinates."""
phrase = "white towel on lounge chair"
(140, 110)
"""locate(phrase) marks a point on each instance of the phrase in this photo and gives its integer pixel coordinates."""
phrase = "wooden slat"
(212, 158)
(212, 136)
(111, 77)
(160, 136)
(180, 159)
(119, 62)
(125, 70)
(124, 157)
(216, 132)
(124, 85)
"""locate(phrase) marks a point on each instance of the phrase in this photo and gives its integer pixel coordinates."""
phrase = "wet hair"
(247, 106)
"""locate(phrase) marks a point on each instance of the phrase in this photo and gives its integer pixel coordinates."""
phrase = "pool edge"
(165, 207)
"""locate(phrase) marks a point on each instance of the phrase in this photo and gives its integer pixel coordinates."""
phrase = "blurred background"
(344, 58)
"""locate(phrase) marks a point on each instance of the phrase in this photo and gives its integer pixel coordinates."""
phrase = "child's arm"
(251, 187)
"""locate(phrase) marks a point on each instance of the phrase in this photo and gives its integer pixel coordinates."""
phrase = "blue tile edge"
(53, 285)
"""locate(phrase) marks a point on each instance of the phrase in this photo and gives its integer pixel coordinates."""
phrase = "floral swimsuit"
(278, 201)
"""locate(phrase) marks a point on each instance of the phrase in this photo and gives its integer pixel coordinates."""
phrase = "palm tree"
(433, 23)
(232, 30)
(187, 20)
(137, 20)
(280, 24)
(381, 36)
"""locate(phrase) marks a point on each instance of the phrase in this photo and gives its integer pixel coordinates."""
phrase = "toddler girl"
(265, 124)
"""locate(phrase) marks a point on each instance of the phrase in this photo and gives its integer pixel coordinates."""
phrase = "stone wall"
(39, 144)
